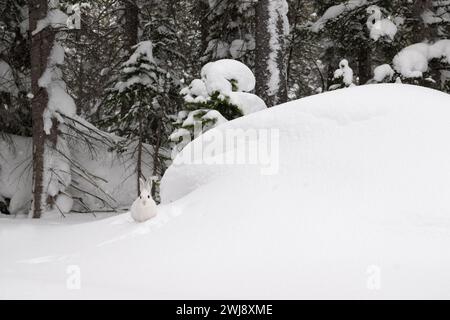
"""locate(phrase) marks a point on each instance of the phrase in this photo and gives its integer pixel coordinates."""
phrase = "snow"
(440, 50)
(383, 72)
(15, 173)
(142, 49)
(217, 76)
(247, 102)
(344, 72)
(59, 101)
(238, 48)
(378, 27)
(413, 60)
(106, 182)
(440, 16)
(55, 18)
(218, 49)
(277, 9)
(196, 92)
(215, 116)
(335, 11)
(359, 208)
(64, 203)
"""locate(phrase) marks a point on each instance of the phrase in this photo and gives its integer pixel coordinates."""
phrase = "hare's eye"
(148, 196)
(140, 197)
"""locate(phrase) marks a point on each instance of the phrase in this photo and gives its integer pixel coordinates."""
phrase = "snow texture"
(358, 210)
(247, 102)
(59, 101)
(278, 9)
(335, 11)
(238, 48)
(232, 80)
(383, 72)
(142, 49)
(55, 18)
(412, 61)
(218, 75)
(380, 28)
(345, 73)
(110, 182)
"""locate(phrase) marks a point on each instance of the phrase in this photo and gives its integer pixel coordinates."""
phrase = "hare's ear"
(141, 184)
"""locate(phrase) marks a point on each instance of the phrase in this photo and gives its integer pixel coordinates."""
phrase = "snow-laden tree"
(136, 107)
(222, 94)
(372, 33)
(343, 77)
(228, 30)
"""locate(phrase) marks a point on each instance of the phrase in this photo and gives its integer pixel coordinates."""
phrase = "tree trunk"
(41, 46)
(364, 65)
(204, 25)
(131, 26)
(270, 69)
(131, 29)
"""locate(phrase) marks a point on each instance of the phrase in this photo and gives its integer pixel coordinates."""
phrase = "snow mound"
(356, 206)
(218, 74)
(413, 60)
(382, 72)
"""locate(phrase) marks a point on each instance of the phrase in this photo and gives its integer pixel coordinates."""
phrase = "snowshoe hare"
(144, 207)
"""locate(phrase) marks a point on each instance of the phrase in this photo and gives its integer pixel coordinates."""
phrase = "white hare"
(144, 207)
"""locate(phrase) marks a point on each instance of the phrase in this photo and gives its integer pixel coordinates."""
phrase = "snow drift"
(358, 208)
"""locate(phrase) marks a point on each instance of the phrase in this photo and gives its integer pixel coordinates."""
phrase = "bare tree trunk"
(364, 65)
(131, 29)
(204, 24)
(41, 46)
(131, 26)
(270, 69)
(295, 18)
(139, 159)
(156, 148)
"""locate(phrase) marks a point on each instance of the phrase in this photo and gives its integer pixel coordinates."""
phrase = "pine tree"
(222, 94)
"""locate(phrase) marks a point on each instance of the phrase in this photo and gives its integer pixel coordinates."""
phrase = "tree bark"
(364, 65)
(41, 46)
(131, 25)
(270, 69)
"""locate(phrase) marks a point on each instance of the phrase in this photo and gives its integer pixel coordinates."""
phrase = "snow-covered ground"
(356, 206)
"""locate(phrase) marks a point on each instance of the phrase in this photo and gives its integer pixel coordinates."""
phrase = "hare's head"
(146, 191)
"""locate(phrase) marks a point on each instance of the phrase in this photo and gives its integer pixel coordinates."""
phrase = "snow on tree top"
(142, 49)
(218, 75)
(412, 61)
(335, 11)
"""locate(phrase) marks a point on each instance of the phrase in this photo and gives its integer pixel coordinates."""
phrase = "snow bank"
(359, 208)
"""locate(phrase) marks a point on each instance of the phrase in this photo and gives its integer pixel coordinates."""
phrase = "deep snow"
(358, 209)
